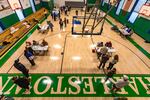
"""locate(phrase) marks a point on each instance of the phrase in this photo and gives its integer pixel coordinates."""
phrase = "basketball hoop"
(16, 6)
(145, 10)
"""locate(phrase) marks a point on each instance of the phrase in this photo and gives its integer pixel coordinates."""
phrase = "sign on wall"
(25, 3)
(5, 8)
(37, 2)
(14, 4)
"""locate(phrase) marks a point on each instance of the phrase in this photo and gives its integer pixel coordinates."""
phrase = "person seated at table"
(44, 43)
(115, 28)
(35, 20)
(108, 44)
(5, 43)
(13, 30)
(35, 42)
(126, 31)
(28, 43)
(27, 24)
(39, 26)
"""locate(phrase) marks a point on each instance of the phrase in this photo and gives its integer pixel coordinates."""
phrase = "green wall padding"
(28, 11)
(48, 5)
(38, 7)
(91, 1)
(9, 20)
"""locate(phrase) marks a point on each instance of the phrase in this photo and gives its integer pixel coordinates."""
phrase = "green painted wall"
(91, 1)
(38, 7)
(48, 5)
(9, 20)
(28, 11)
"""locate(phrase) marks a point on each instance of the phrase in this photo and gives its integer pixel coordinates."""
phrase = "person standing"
(65, 22)
(103, 51)
(21, 68)
(113, 62)
(55, 15)
(52, 14)
(120, 84)
(66, 11)
(61, 24)
(110, 74)
(50, 25)
(76, 12)
(103, 61)
(22, 82)
(29, 56)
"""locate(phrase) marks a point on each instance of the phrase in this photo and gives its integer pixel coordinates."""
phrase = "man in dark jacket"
(21, 68)
(29, 56)
(22, 82)
(105, 58)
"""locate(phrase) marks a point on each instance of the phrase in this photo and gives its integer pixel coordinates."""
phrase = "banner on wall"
(14, 4)
(128, 5)
(37, 2)
(5, 8)
(25, 3)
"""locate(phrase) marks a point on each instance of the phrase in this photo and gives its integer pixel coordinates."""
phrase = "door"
(32, 5)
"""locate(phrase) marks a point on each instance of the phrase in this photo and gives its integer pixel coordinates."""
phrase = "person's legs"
(100, 65)
(114, 87)
(106, 78)
(32, 62)
(110, 66)
(26, 73)
(99, 55)
(103, 65)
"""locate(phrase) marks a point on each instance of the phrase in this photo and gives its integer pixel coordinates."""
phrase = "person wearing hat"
(120, 84)
(21, 68)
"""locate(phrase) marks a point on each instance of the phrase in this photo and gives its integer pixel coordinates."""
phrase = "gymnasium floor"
(78, 58)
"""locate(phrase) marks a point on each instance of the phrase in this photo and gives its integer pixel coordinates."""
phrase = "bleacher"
(7, 40)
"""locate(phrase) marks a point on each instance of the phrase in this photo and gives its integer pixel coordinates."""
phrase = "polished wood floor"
(78, 56)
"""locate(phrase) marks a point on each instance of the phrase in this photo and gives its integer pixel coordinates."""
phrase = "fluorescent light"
(88, 36)
(59, 35)
(74, 36)
(57, 46)
(47, 81)
(54, 58)
(76, 58)
(77, 82)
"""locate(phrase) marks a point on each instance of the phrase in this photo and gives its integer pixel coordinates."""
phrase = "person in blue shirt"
(29, 56)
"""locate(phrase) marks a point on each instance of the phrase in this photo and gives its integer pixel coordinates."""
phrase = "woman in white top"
(120, 84)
